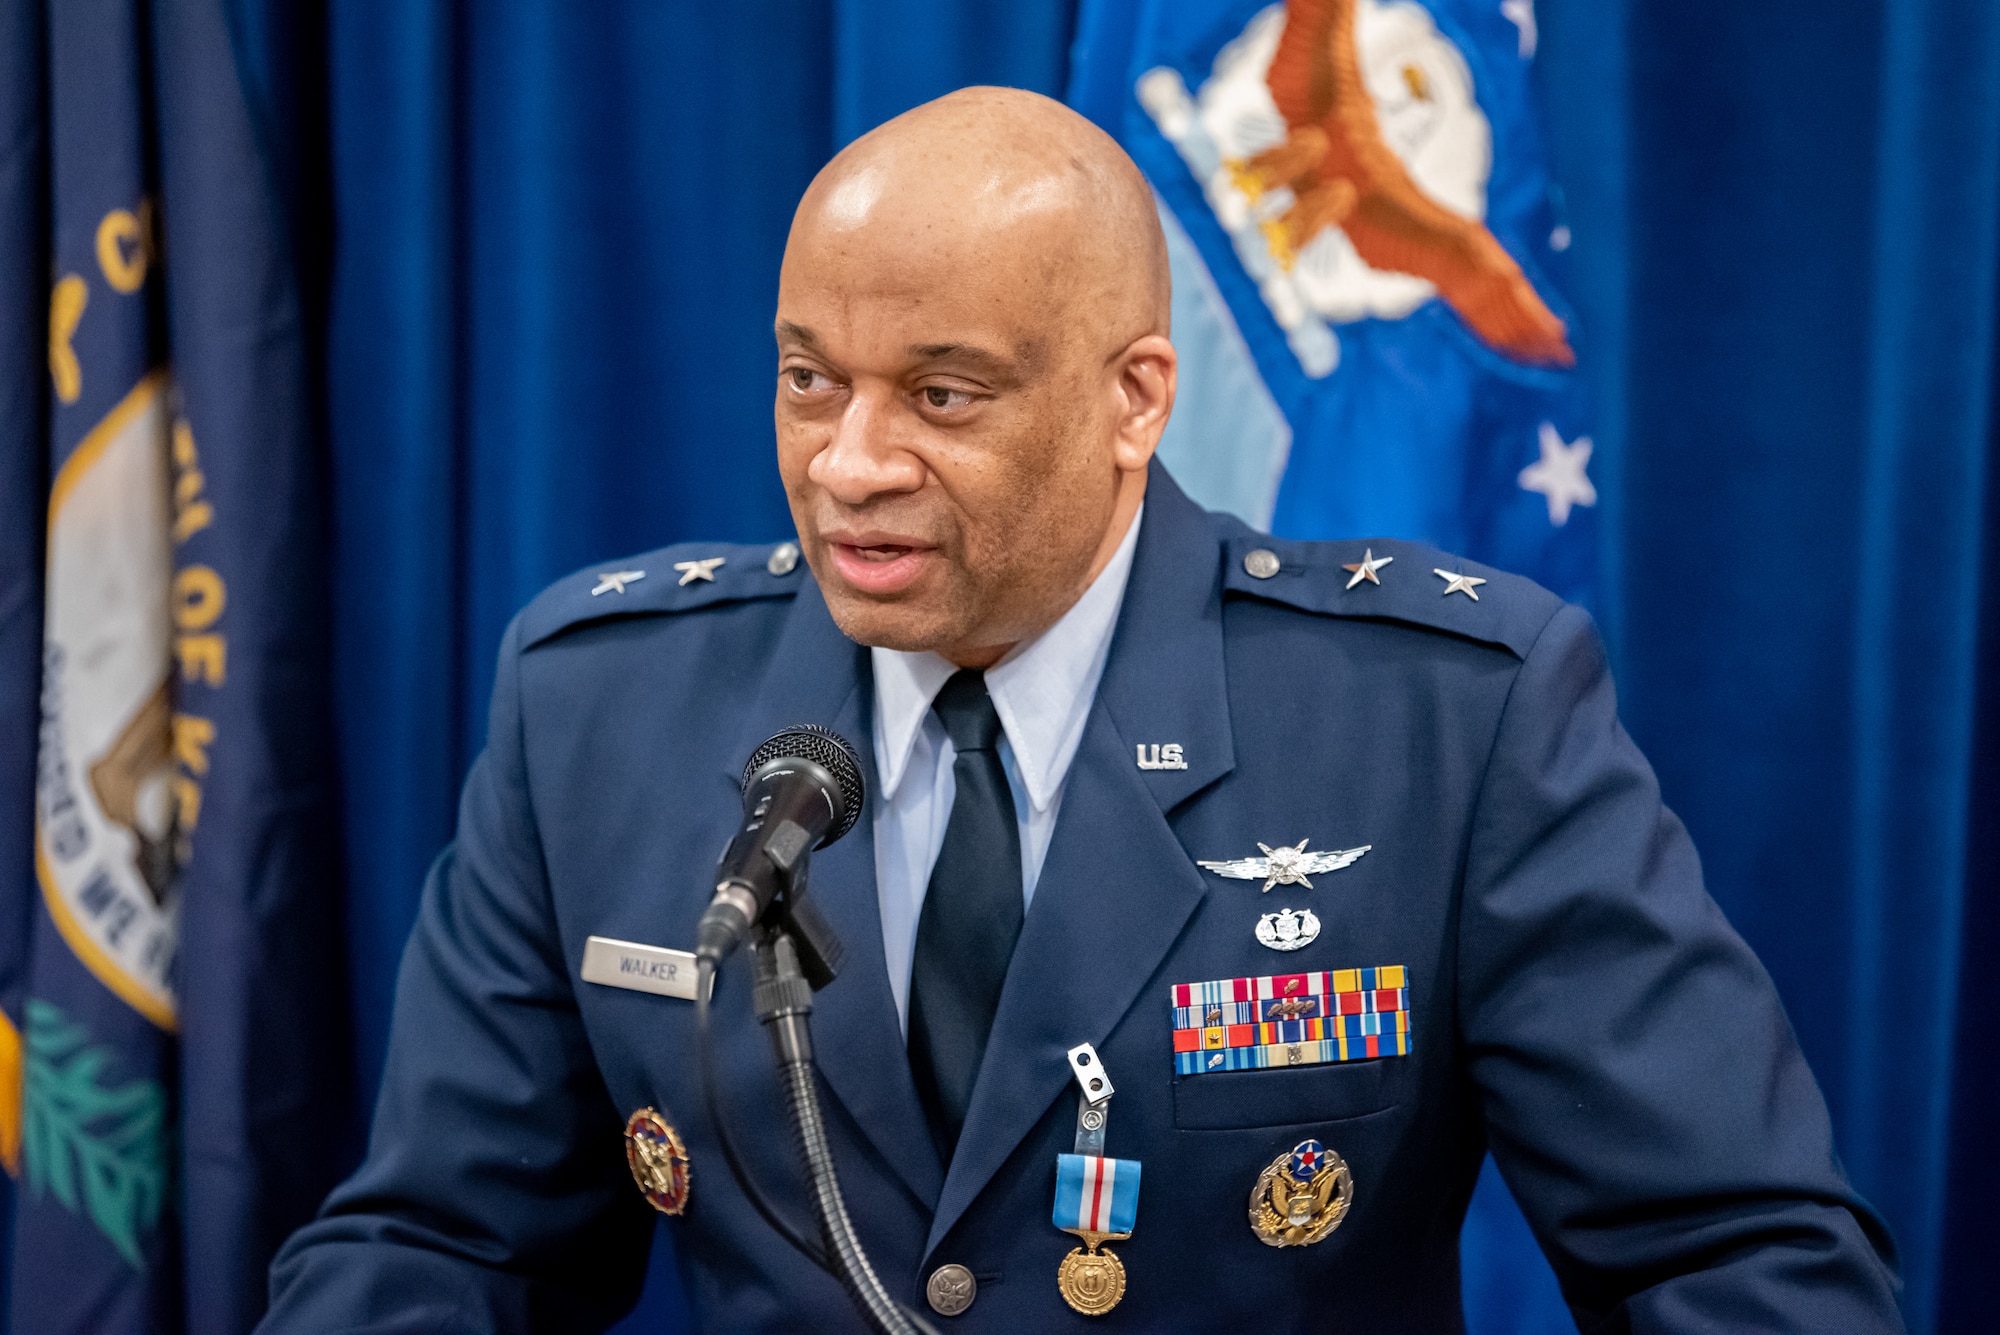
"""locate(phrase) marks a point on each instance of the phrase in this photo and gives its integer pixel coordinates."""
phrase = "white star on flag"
(1521, 13)
(1559, 474)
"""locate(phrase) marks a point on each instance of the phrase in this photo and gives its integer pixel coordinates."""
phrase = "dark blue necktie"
(971, 915)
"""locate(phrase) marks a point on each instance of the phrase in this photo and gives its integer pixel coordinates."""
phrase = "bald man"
(1329, 860)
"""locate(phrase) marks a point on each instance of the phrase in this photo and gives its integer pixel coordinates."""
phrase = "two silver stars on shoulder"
(614, 581)
(1454, 581)
(783, 560)
(1287, 864)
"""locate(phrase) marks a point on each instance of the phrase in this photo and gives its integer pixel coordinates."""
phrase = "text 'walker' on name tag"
(639, 968)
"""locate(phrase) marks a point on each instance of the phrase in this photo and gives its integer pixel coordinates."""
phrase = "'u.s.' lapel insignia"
(1286, 864)
(658, 1160)
(1301, 1196)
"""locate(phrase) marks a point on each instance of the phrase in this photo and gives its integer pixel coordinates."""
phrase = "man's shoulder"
(1390, 580)
(684, 578)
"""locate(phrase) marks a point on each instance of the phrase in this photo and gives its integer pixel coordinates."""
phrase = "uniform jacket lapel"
(818, 675)
(1117, 887)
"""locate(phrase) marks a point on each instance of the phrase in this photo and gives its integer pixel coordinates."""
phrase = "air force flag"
(1363, 233)
(1365, 240)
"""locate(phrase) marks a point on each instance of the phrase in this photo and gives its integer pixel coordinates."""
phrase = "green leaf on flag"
(95, 1146)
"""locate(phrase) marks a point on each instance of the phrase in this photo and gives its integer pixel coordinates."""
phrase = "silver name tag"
(627, 964)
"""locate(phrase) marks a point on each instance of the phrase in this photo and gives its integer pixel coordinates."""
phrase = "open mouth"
(879, 567)
(881, 553)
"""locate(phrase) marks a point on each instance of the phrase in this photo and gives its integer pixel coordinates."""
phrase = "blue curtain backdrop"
(553, 260)
(1804, 308)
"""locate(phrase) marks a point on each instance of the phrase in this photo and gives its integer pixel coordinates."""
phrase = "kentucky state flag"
(1363, 232)
(95, 1023)
(170, 1073)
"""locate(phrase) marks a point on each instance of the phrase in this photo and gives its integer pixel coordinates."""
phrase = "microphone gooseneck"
(802, 790)
(783, 1001)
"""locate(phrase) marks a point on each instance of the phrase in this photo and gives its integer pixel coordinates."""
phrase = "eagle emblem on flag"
(1342, 147)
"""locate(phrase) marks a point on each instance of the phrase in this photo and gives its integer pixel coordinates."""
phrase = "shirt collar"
(1042, 690)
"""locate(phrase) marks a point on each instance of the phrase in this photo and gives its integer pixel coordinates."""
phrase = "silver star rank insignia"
(703, 569)
(1366, 567)
(1459, 583)
(1285, 865)
(614, 581)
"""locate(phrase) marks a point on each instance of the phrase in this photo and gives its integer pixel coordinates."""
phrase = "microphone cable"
(711, 1097)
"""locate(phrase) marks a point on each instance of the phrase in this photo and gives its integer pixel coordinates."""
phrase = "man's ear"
(1147, 376)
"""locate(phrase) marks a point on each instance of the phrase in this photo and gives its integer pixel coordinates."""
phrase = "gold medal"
(1301, 1197)
(1090, 1280)
(658, 1160)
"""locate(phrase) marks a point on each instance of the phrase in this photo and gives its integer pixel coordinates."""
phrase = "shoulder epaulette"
(1387, 579)
(682, 578)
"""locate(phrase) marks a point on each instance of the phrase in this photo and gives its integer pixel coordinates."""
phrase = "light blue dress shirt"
(1042, 691)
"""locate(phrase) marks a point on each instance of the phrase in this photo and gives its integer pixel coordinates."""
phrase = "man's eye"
(940, 397)
(804, 378)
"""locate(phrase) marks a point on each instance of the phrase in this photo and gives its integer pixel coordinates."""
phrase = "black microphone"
(802, 790)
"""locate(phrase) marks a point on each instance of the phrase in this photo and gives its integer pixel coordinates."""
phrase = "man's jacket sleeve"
(1643, 1092)
(491, 1197)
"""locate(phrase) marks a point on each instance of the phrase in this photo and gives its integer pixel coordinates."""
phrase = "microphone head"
(831, 752)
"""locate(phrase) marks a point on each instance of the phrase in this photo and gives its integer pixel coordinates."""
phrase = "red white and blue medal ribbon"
(1096, 1195)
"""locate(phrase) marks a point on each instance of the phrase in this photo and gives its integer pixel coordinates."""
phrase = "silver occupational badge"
(1286, 865)
(1288, 929)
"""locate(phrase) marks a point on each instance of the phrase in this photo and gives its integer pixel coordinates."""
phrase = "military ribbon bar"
(1296, 1019)
(1096, 1195)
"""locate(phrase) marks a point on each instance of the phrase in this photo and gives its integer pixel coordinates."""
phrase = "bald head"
(973, 369)
(1009, 180)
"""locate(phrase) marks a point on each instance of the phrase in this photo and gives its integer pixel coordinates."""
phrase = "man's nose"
(864, 460)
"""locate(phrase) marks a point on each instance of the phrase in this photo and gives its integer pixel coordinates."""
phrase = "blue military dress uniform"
(1575, 1001)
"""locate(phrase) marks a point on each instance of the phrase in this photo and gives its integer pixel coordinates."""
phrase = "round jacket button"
(1261, 563)
(784, 559)
(951, 1290)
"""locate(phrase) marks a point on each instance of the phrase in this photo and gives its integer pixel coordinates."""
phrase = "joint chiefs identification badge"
(658, 1160)
(1301, 1197)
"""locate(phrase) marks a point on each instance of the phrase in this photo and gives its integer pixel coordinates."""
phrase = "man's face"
(946, 443)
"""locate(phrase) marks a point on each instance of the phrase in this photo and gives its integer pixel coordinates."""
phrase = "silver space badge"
(627, 964)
